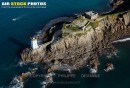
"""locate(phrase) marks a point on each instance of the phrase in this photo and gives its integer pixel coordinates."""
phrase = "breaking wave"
(16, 83)
(122, 40)
(21, 63)
(43, 84)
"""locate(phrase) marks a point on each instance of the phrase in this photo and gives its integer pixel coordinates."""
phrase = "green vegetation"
(79, 26)
(80, 18)
(65, 34)
(73, 29)
(79, 34)
(82, 25)
(69, 28)
(94, 24)
(80, 21)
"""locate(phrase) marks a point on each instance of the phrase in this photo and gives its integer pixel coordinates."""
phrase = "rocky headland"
(82, 42)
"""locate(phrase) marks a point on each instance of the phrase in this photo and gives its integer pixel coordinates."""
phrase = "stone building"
(91, 15)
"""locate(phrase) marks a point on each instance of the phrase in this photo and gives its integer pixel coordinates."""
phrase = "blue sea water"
(15, 35)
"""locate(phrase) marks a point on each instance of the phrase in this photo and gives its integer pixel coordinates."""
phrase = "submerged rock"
(109, 67)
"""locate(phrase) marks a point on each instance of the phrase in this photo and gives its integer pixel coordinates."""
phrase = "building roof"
(91, 13)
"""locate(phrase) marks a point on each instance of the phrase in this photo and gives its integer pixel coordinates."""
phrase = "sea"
(15, 36)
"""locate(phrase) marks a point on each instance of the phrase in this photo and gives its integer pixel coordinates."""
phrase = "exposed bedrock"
(77, 50)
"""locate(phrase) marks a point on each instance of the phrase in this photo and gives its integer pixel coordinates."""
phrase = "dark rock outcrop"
(116, 3)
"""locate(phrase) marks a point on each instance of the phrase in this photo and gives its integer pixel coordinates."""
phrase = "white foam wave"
(19, 17)
(43, 84)
(48, 80)
(18, 85)
(21, 63)
(15, 83)
(122, 40)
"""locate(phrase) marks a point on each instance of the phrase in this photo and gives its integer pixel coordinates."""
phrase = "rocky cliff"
(80, 45)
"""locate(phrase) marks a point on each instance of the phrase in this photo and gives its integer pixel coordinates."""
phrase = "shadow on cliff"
(18, 43)
(123, 7)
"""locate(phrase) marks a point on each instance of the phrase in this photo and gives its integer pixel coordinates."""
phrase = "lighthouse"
(34, 43)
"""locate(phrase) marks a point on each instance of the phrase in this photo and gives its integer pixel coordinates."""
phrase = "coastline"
(87, 51)
(81, 66)
(44, 34)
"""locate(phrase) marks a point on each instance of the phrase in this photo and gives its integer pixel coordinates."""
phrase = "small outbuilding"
(91, 15)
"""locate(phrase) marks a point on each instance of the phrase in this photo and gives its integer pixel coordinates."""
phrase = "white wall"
(34, 44)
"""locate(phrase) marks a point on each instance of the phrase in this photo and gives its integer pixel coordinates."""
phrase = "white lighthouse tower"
(34, 43)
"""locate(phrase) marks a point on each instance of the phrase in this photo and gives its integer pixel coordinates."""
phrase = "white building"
(34, 43)
(91, 15)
